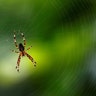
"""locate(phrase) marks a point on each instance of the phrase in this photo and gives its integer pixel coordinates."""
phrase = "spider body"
(21, 49)
(22, 52)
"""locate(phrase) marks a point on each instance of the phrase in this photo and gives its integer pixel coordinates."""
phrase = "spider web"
(63, 78)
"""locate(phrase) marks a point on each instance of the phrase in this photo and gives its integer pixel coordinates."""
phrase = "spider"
(22, 52)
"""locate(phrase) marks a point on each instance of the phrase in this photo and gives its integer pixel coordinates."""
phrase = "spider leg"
(15, 40)
(34, 62)
(28, 48)
(23, 39)
(18, 62)
(14, 51)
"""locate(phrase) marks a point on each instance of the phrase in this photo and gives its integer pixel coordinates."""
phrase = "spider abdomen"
(21, 47)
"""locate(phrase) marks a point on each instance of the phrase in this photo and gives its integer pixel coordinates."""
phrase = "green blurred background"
(62, 35)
